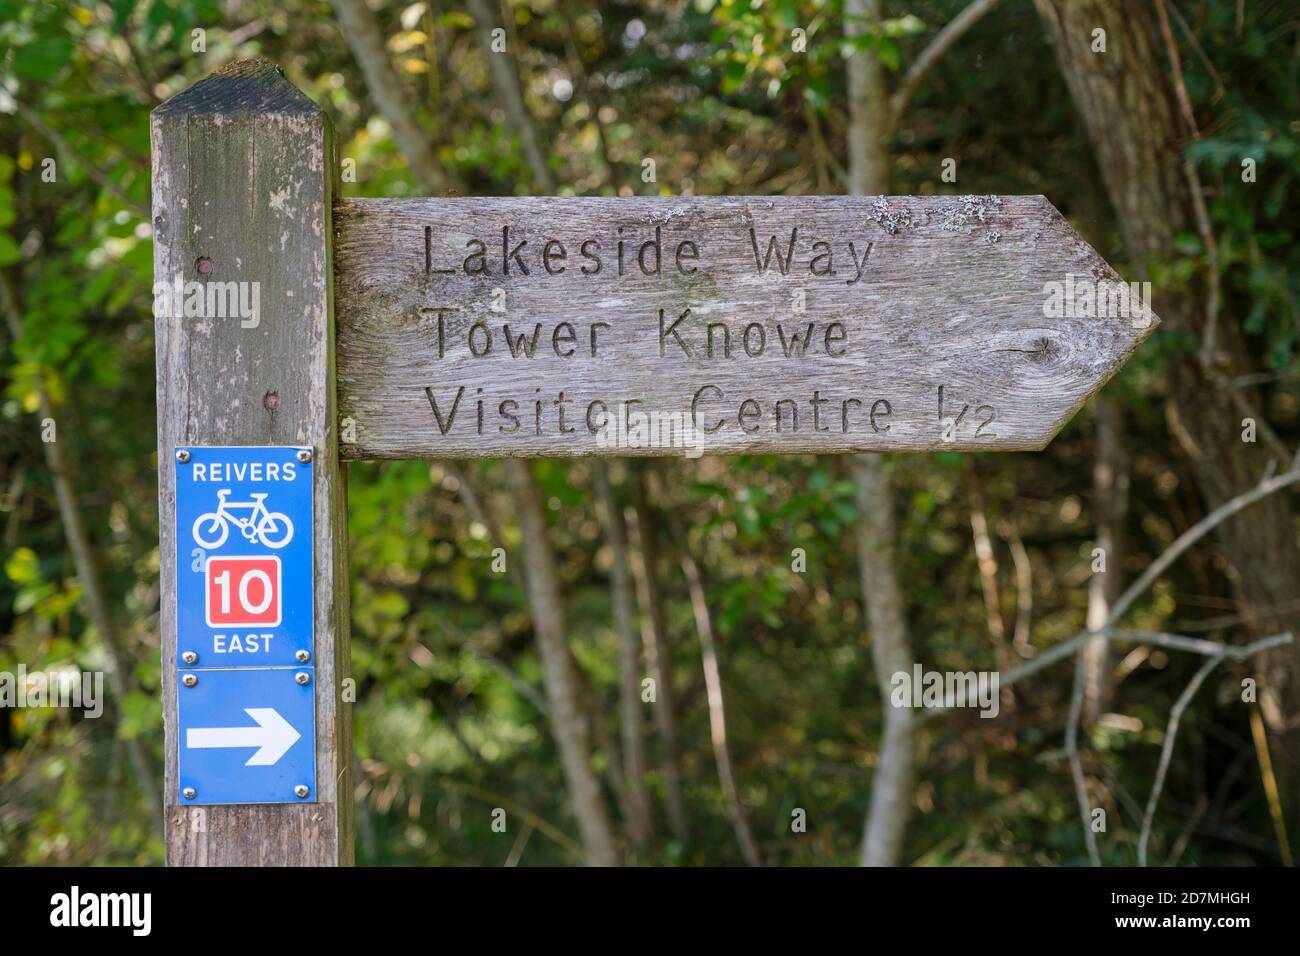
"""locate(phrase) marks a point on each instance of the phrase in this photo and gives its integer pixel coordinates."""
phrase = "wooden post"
(244, 175)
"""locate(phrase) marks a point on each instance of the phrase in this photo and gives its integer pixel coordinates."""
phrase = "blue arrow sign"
(243, 556)
(270, 736)
(247, 735)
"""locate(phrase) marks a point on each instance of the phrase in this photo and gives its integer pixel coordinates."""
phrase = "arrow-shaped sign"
(656, 326)
(273, 736)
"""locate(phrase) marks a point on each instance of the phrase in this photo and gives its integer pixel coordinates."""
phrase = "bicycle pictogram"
(271, 528)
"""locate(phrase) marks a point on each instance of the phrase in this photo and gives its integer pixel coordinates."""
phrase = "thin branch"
(1195, 533)
(658, 649)
(360, 27)
(451, 717)
(560, 674)
(1173, 641)
(583, 81)
(638, 804)
(1126, 600)
(513, 678)
(987, 561)
(521, 842)
(749, 848)
(525, 689)
(1167, 751)
(1210, 332)
(1195, 645)
(548, 830)
(821, 155)
(1183, 25)
(937, 47)
(70, 155)
(1189, 828)
(245, 33)
(1227, 387)
(509, 90)
(1269, 611)
(1076, 764)
(141, 70)
(1269, 780)
(717, 713)
(1024, 587)
(481, 515)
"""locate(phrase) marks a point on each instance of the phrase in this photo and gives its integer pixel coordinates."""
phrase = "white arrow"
(273, 736)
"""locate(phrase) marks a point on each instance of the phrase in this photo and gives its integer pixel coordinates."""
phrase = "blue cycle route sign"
(243, 556)
(244, 625)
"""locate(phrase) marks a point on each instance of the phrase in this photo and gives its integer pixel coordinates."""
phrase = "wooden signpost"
(437, 328)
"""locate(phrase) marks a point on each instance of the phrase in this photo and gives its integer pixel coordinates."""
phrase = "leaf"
(42, 59)
(23, 567)
(412, 14)
(140, 714)
(407, 41)
(733, 76)
(9, 253)
(455, 19)
(901, 26)
(122, 13)
(887, 50)
(817, 93)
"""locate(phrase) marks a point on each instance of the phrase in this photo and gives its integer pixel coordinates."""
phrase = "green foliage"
(448, 717)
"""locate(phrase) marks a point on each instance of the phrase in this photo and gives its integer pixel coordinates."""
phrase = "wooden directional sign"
(633, 326)
(455, 328)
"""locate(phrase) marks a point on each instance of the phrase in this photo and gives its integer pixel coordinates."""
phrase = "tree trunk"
(658, 650)
(564, 683)
(987, 561)
(1110, 506)
(1127, 101)
(717, 710)
(635, 786)
(712, 673)
(891, 653)
(395, 104)
(891, 787)
(869, 113)
(572, 735)
(505, 79)
(116, 661)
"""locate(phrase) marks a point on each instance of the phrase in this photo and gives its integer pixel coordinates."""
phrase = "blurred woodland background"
(1173, 151)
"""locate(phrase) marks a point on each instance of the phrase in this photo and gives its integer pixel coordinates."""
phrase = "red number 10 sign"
(243, 591)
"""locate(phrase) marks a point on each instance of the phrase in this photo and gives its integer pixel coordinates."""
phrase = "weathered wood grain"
(950, 295)
(243, 176)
